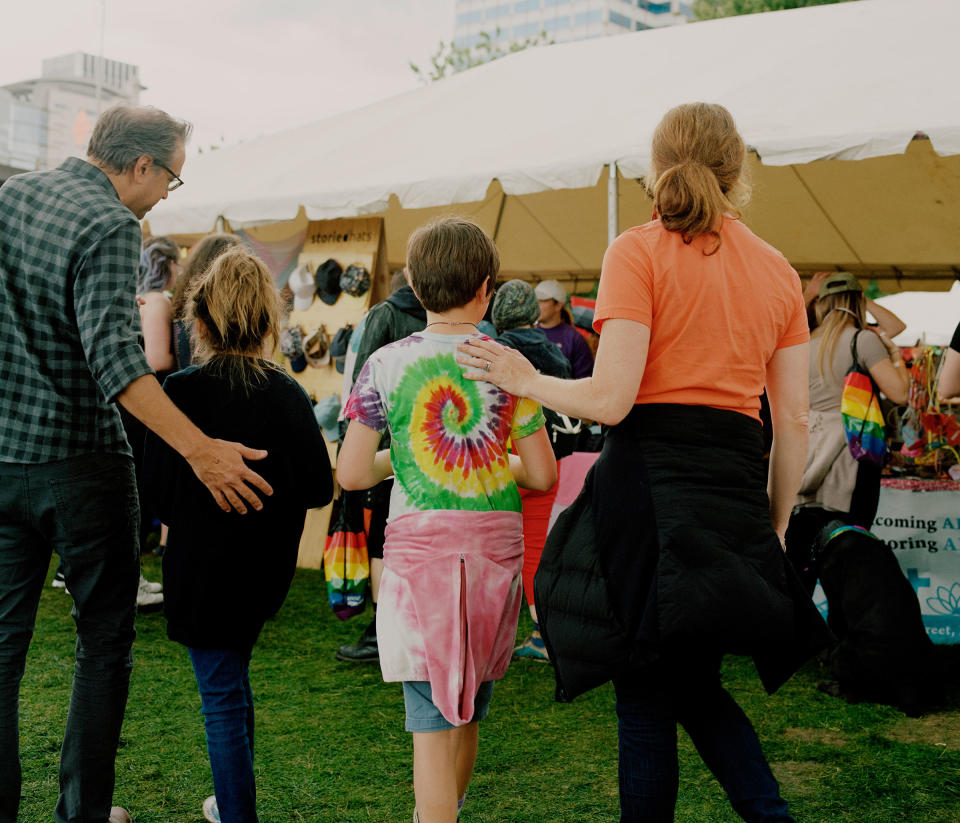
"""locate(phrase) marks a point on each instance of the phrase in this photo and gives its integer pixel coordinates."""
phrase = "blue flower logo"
(946, 602)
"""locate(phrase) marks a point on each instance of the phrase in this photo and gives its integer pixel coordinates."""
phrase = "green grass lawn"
(331, 745)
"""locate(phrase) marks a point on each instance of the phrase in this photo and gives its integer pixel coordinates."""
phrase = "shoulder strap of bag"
(853, 352)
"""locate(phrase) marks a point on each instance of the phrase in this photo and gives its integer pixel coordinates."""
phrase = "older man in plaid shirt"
(69, 248)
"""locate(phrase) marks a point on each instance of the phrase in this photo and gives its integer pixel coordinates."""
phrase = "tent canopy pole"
(613, 204)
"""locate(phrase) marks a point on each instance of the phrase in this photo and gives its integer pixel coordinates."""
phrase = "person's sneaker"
(119, 815)
(365, 650)
(59, 582)
(211, 812)
(148, 587)
(532, 648)
(149, 601)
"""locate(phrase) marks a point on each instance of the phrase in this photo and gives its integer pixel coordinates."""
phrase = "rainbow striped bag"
(861, 414)
(346, 564)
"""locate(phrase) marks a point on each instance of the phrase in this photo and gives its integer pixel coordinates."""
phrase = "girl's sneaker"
(210, 811)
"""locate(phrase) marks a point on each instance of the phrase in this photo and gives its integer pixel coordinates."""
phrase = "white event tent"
(853, 111)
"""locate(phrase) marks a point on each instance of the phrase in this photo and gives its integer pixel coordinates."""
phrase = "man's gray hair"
(124, 133)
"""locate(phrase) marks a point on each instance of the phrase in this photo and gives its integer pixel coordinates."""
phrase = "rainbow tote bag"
(861, 414)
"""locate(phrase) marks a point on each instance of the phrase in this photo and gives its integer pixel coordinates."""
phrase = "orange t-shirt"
(715, 320)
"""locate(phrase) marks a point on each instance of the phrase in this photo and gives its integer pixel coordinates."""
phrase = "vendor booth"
(851, 111)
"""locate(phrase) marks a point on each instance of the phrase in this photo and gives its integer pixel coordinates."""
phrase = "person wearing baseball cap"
(835, 486)
(559, 331)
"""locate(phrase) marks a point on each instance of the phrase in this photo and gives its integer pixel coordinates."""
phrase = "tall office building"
(47, 119)
(560, 20)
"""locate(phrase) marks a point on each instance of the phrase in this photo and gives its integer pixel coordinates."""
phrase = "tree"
(450, 58)
(708, 9)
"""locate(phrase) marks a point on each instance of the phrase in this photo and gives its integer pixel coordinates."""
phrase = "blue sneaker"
(532, 648)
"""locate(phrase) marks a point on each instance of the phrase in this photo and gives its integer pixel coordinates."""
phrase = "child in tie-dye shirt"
(450, 594)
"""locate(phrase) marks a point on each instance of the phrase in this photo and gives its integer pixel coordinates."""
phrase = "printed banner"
(923, 529)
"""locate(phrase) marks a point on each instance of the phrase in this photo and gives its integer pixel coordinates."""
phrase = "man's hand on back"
(221, 468)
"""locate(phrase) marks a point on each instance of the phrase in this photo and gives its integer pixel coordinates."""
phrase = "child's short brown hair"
(448, 260)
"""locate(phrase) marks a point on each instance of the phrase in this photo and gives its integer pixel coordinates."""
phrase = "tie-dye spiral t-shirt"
(449, 434)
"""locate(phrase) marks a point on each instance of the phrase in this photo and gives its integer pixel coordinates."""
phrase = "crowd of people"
(129, 399)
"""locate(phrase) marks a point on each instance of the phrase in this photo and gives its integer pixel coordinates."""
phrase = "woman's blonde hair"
(834, 313)
(239, 306)
(697, 169)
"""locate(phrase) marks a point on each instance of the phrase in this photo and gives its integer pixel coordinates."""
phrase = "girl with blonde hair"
(225, 574)
(672, 556)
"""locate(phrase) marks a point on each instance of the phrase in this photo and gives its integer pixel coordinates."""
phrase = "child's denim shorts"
(423, 716)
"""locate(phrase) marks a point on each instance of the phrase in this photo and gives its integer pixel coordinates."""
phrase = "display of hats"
(327, 281)
(339, 345)
(302, 285)
(326, 411)
(291, 344)
(355, 281)
(316, 348)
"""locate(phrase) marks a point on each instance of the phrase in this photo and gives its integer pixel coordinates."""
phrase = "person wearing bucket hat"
(302, 285)
(355, 281)
(515, 306)
(835, 485)
(515, 310)
(327, 281)
(552, 298)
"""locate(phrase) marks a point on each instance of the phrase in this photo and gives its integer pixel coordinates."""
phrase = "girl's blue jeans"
(649, 707)
(223, 677)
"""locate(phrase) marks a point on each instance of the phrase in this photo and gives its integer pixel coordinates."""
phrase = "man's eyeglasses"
(174, 184)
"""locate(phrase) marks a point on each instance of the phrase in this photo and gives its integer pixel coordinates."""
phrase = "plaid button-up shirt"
(69, 323)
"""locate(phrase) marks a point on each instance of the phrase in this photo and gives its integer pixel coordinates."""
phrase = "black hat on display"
(355, 281)
(327, 279)
(339, 345)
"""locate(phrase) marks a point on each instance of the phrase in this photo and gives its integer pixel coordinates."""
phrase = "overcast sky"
(237, 68)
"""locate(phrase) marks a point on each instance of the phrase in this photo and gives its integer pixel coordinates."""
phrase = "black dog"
(883, 654)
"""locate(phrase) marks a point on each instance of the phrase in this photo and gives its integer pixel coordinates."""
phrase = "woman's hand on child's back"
(497, 364)
(221, 468)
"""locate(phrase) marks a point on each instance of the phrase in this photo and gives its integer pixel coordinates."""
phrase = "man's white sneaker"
(149, 602)
(210, 811)
(148, 587)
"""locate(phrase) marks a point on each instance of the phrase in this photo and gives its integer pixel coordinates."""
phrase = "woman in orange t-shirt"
(672, 555)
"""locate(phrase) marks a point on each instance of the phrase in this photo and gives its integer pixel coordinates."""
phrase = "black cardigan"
(224, 573)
